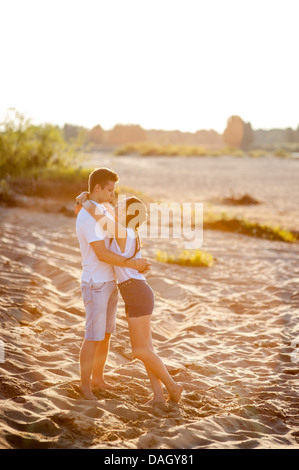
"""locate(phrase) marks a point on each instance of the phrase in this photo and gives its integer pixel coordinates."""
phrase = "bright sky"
(163, 64)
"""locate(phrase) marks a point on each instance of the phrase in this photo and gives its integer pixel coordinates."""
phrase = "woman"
(136, 293)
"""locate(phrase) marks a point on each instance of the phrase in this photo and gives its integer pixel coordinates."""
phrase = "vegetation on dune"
(26, 149)
(35, 160)
(246, 227)
(257, 153)
(186, 258)
(243, 200)
(150, 149)
(60, 183)
(42, 161)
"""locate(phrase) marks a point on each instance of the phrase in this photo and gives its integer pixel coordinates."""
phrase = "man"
(98, 285)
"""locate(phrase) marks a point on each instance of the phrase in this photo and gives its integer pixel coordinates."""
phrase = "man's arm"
(109, 257)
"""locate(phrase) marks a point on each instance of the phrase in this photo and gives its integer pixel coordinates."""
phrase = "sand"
(228, 333)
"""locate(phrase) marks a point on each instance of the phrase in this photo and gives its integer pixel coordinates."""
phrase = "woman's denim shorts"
(138, 297)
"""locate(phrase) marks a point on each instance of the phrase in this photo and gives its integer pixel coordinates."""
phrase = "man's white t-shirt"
(88, 231)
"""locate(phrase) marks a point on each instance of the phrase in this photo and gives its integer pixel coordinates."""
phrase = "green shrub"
(187, 258)
(126, 149)
(257, 153)
(6, 194)
(151, 149)
(246, 227)
(282, 153)
(25, 147)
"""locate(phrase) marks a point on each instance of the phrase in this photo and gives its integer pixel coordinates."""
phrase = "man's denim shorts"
(100, 302)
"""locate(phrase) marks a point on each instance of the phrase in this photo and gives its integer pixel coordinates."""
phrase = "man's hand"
(99, 247)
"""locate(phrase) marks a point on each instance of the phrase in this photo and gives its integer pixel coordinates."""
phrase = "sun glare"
(169, 65)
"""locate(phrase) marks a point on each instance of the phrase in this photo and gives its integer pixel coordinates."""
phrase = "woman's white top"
(123, 274)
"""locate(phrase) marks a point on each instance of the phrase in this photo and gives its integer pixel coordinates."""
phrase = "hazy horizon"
(62, 124)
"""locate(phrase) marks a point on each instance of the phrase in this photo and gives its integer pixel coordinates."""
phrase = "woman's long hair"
(135, 216)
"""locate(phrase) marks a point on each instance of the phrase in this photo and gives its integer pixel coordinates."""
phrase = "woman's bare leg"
(140, 333)
(155, 382)
(157, 388)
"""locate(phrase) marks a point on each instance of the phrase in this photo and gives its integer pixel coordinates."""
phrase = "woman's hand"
(79, 201)
(77, 209)
(81, 198)
(94, 210)
(142, 265)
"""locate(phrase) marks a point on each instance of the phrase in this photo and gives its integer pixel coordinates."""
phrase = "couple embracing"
(111, 261)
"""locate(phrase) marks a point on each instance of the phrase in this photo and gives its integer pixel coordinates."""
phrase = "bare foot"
(102, 384)
(175, 393)
(155, 401)
(87, 393)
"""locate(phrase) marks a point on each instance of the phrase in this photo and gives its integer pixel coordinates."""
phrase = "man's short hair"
(101, 176)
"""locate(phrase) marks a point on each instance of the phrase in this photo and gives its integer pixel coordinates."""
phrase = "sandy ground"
(272, 181)
(228, 333)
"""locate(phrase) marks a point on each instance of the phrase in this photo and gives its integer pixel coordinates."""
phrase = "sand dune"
(224, 332)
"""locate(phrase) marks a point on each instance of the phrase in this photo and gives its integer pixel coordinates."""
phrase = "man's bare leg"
(87, 355)
(100, 358)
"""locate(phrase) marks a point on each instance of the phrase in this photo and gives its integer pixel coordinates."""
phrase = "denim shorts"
(138, 297)
(100, 302)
